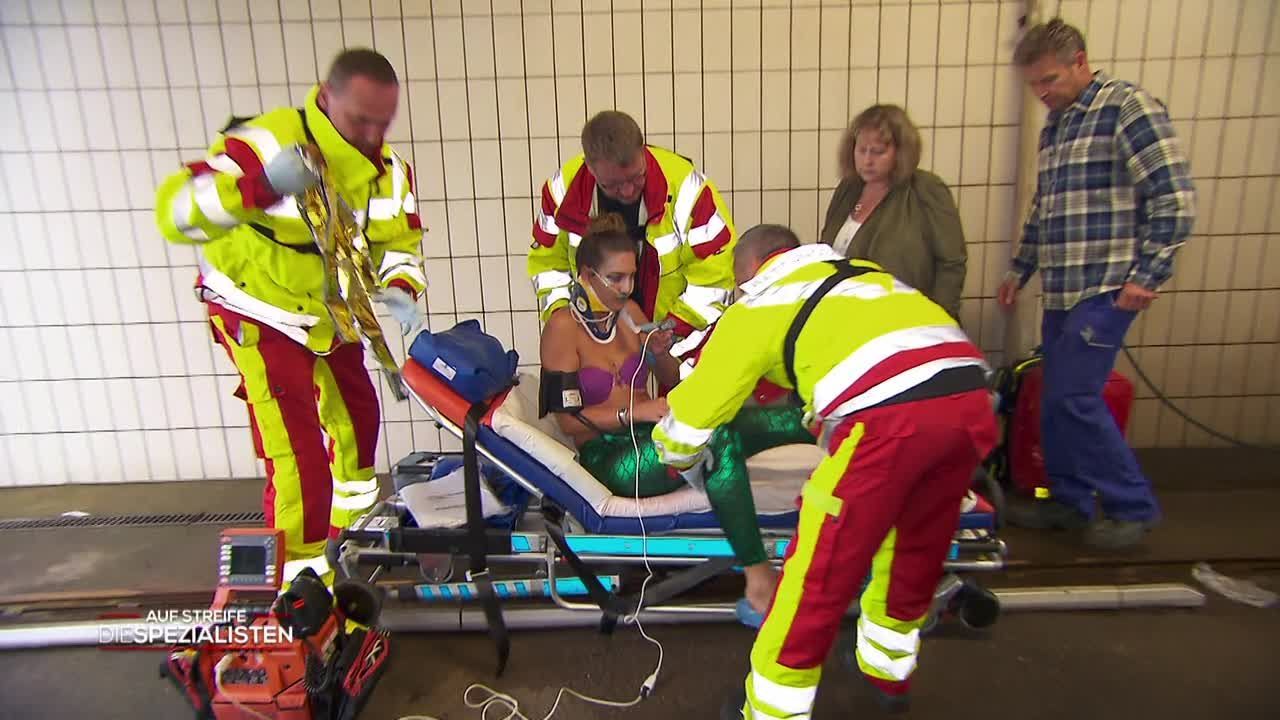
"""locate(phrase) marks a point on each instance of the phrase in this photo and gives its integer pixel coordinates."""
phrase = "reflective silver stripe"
(410, 204)
(244, 303)
(689, 343)
(355, 486)
(686, 369)
(224, 164)
(787, 263)
(888, 639)
(548, 279)
(666, 243)
(794, 702)
(707, 232)
(356, 502)
(706, 301)
(183, 203)
(292, 567)
(555, 296)
(548, 224)
(575, 239)
(392, 259)
(874, 351)
(851, 287)
(261, 139)
(685, 198)
(899, 669)
(204, 189)
(414, 272)
(397, 178)
(557, 188)
(689, 440)
(399, 263)
(286, 207)
(384, 208)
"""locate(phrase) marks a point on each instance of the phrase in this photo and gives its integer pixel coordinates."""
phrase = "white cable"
(503, 701)
(217, 683)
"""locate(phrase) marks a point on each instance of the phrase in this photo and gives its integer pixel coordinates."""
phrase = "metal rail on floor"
(466, 619)
(84, 520)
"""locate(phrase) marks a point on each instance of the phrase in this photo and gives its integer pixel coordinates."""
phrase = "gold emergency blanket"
(350, 278)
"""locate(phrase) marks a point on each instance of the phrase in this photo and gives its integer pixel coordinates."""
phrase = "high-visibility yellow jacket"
(869, 339)
(257, 256)
(686, 222)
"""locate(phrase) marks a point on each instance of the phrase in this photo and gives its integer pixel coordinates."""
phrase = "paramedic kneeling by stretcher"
(905, 419)
(595, 359)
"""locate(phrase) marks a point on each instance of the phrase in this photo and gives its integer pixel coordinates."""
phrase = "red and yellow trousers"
(315, 425)
(885, 502)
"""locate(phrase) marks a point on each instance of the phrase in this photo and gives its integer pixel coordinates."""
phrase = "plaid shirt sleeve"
(1024, 262)
(1162, 182)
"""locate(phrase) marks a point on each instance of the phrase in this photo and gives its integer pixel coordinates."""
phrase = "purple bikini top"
(596, 383)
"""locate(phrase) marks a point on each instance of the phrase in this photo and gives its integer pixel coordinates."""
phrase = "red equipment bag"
(1026, 459)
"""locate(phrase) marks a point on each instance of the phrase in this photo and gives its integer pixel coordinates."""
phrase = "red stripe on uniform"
(255, 192)
(199, 168)
(712, 246)
(899, 363)
(704, 208)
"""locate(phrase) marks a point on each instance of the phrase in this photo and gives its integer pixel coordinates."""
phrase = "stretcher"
(565, 537)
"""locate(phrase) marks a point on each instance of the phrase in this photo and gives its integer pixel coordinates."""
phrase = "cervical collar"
(595, 316)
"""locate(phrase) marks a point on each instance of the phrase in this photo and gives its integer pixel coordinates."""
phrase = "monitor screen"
(248, 560)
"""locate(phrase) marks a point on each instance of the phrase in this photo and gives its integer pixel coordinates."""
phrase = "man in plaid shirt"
(1114, 202)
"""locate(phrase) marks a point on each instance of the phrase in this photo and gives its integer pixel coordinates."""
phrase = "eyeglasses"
(634, 181)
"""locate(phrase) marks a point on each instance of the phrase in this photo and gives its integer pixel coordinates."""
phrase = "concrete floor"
(1215, 661)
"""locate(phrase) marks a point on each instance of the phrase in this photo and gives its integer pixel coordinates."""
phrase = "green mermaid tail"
(611, 458)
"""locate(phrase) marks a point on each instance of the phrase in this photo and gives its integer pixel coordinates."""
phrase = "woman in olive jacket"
(889, 211)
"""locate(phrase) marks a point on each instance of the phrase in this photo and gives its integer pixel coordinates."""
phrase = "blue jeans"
(1084, 450)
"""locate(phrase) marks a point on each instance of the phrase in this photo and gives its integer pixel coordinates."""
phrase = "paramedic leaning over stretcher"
(262, 281)
(906, 418)
(682, 228)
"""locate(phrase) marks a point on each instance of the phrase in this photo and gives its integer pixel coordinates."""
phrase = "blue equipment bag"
(471, 361)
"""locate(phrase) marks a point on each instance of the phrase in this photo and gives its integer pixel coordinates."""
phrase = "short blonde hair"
(896, 127)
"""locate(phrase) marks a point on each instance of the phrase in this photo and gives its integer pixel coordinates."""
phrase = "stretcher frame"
(381, 539)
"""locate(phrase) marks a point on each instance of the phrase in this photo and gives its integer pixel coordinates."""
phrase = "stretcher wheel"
(977, 607)
(930, 622)
(435, 568)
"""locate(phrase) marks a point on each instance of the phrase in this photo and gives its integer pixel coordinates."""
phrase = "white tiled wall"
(107, 373)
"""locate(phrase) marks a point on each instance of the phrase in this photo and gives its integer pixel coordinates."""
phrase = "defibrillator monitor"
(251, 558)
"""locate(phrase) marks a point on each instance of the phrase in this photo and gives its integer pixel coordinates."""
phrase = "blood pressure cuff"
(559, 392)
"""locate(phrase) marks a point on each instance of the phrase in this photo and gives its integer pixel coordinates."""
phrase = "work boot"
(1044, 515)
(888, 703)
(1108, 534)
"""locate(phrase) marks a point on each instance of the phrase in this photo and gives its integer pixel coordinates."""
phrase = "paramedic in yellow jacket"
(897, 393)
(312, 406)
(683, 231)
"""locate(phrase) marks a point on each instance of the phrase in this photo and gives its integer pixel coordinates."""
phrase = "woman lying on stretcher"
(594, 346)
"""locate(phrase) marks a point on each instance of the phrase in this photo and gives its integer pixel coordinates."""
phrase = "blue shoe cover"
(748, 615)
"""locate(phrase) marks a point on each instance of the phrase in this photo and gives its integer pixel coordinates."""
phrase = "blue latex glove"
(403, 308)
(290, 172)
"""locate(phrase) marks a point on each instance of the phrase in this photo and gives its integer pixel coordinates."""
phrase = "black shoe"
(1044, 515)
(889, 704)
(1108, 534)
(732, 707)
